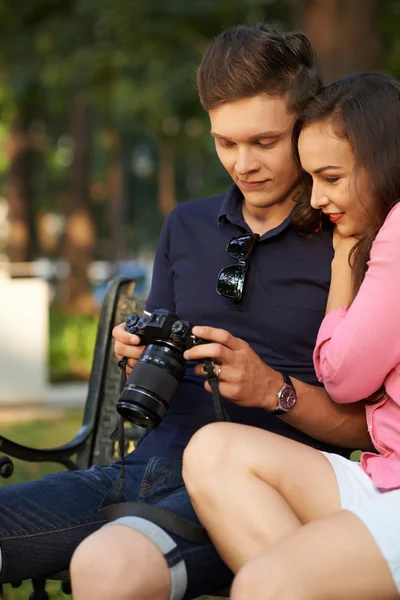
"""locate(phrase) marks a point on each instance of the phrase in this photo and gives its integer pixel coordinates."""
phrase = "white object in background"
(24, 310)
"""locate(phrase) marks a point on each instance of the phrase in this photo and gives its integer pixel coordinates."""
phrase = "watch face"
(288, 398)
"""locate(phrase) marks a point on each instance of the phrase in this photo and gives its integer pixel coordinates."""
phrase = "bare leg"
(335, 558)
(119, 562)
(250, 488)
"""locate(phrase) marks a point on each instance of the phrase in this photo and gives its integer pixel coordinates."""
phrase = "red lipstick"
(335, 217)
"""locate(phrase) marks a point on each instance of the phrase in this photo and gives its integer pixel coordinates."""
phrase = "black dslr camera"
(155, 378)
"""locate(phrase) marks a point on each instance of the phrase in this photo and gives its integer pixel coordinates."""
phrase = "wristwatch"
(287, 397)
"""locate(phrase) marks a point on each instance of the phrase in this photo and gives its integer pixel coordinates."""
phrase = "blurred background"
(101, 135)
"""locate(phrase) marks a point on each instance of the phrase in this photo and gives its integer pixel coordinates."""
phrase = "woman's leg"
(334, 558)
(250, 488)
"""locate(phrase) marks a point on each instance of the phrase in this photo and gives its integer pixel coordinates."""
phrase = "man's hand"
(127, 345)
(247, 381)
(243, 377)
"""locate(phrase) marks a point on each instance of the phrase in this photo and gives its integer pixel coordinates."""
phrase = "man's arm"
(320, 417)
(247, 381)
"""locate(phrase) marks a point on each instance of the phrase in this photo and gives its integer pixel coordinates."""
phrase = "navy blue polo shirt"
(283, 304)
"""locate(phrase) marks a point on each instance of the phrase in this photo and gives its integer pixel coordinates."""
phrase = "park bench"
(92, 444)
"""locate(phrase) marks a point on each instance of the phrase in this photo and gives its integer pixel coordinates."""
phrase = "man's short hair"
(245, 61)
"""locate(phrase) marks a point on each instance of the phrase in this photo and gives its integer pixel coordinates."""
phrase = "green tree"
(87, 85)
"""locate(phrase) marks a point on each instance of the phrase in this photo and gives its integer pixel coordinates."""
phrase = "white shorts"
(380, 512)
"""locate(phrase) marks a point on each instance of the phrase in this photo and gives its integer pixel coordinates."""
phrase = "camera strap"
(220, 412)
(113, 507)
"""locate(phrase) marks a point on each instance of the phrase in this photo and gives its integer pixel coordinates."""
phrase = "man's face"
(253, 139)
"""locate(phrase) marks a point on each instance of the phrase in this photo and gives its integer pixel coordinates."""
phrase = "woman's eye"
(331, 179)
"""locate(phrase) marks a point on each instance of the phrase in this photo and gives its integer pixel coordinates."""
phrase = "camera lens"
(152, 385)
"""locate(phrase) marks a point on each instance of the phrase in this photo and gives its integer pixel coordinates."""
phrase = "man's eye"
(226, 144)
(267, 145)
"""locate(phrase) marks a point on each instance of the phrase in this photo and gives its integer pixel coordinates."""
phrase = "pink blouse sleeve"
(358, 347)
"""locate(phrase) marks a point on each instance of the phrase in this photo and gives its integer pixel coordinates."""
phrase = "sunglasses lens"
(240, 247)
(230, 281)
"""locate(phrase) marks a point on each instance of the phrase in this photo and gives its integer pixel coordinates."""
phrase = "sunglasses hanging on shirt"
(231, 279)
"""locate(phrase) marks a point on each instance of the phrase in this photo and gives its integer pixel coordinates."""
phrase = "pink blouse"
(358, 350)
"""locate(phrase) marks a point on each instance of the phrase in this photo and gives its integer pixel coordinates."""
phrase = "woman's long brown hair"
(364, 109)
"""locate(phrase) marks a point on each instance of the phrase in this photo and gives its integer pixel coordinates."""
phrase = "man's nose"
(245, 162)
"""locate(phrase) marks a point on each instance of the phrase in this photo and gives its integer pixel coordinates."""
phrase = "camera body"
(154, 380)
(162, 326)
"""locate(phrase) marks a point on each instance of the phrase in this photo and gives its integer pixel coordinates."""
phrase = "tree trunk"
(345, 34)
(166, 178)
(80, 230)
(22, 237)
(116, 208)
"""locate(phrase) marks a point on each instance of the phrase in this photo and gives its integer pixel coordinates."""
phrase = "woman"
(293, 521)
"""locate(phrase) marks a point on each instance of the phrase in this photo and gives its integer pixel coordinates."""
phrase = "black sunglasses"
(230, 281)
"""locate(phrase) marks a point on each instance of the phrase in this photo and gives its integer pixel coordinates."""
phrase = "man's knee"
(119, 562)
(205, 455)
(97, 562)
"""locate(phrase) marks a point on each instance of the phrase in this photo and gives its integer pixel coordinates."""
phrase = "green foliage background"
(134, 63)
(71, 345)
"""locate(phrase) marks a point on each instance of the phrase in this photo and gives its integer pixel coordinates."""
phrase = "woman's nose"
(318, 198)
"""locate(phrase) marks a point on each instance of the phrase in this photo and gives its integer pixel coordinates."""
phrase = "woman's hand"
(343, 245)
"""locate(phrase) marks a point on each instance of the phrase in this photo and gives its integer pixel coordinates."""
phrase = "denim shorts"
(163, 486)
(42, 522)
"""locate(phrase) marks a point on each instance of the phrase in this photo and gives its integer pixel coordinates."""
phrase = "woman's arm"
(341, 288)
(358, 347)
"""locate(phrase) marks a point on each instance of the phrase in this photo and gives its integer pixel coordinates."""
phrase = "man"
(252, 81)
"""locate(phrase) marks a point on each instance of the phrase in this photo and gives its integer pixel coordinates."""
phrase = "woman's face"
(338, 190)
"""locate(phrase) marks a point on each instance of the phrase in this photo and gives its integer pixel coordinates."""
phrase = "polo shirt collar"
(231, 210)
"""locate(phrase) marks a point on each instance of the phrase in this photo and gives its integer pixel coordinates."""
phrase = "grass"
(43, 433)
